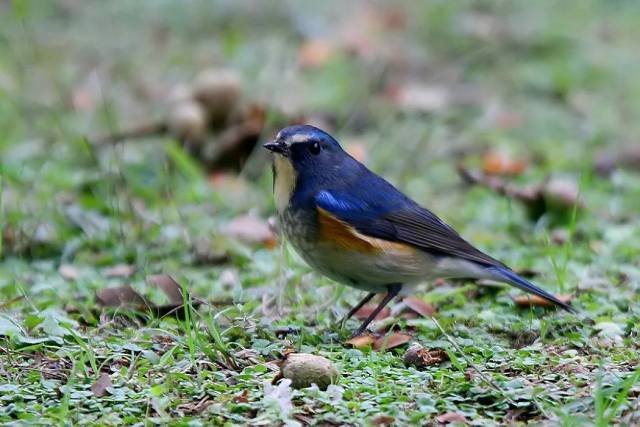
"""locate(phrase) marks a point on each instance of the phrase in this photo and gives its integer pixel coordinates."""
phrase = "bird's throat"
(284, 182)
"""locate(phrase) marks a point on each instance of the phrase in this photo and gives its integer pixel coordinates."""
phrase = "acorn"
(219, 91)
(180, 93)
(187, 120)
(304, 369)
(561, 195)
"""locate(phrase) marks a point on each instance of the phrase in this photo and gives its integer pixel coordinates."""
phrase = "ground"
(415, 89)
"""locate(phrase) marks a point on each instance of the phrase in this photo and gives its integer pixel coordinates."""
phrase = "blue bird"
(356, 228)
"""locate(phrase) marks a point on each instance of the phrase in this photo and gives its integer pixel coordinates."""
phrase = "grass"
(550, 83)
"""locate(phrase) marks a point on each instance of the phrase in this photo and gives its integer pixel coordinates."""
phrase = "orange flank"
(345, 236)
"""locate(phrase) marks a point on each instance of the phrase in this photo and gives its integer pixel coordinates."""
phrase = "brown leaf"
(367, 309)
(394, 340)
(315, 53)
(121, 296)
(252, 230)
(496, 163)
(418, 97)
(242, 397)
(169, 286)
(382, 420)
(68, 272)
(99, 388)
(196, 408)
(536, 301)
(120, 270)
(612, 158)
(452, 417)
(418, 356)
(357, 150)
(361, 341)
(420, 306)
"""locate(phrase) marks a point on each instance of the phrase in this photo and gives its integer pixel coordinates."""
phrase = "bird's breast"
(341, 253)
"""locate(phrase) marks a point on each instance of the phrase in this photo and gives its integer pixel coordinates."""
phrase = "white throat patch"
(285, 182)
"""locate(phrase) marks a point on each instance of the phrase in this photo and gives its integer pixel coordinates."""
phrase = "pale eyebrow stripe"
(299, 138)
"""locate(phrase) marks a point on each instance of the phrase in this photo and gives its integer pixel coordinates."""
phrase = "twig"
(473, 365)
(142, 131)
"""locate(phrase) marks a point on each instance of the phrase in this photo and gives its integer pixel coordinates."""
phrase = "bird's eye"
(315, 148)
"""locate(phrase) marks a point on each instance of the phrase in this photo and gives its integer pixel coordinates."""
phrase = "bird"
(356, 228)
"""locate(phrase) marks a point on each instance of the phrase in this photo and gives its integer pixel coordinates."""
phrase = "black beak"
(277, 147)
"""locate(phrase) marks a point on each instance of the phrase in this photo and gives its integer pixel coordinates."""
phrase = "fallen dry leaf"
(121, 296)
(419, 97)
(496, 163)
(361, 341)
(393, 340)
(100, 387)
(418, 356)
(315, 53)
(68, 272)
(420, 306)
(196, 408)
(120, 270)
(382, 420)
(536, 301)
(612, 158)
(452, 417)
(168, 285)
(242, 397)
(357, 150)
(252, 230)
(367, 309)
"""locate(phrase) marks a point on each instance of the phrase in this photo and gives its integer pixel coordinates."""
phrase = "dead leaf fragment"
(251, 230)
(121, 296)
(418, 356)
(168, 285)
(536, 301)
(496, 163)
(393, 340)
(120, 270)
(612, 158)
(101, 386)
(420, 306)
(366, 310)
(361, 341)
(68, 272)
(451, 418)
(196, 408)
(382, 420)
(418, 97)
(357, 150)
(315, 53)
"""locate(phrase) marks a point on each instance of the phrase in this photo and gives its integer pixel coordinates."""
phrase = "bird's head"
(306, 158)
(306, 148)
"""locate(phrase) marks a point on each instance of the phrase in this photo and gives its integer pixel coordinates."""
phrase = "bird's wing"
(404, 222)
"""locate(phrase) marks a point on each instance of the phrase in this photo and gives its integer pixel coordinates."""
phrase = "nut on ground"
(304, 369)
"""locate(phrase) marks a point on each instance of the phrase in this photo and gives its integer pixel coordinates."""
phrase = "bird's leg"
(357, 307)
(392, 291)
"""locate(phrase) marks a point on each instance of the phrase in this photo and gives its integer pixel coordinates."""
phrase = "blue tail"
(520, 283)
